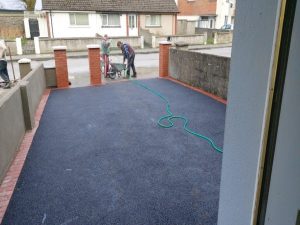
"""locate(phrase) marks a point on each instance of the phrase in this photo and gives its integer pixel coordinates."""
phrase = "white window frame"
(79, 25)
(153, 25)
(105, 21)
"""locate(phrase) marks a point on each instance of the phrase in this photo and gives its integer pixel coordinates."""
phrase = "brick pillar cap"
(165, 43)
(93, 46)
(59, 48)
(24, 60)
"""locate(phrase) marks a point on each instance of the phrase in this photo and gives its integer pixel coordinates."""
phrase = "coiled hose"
(166, 121)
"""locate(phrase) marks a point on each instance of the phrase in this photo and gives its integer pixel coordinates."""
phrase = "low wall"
(12, 24)
(198, 39)
(223, 37)
(13, 47)
(208, 72)
(186, 27)
(17, 110)
(12, 127)
(50, 75)
(216, 36)
(79, 44)
(147, 37)
(33, 86)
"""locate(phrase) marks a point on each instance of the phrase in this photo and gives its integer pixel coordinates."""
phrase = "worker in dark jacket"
(129, 55)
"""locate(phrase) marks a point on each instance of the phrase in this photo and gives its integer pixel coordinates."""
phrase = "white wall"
(62, 27)
(166, 28)
(115, 32)
(188, 18)
(43, 26)
(223, 9)
(284, 194)
(252, 52)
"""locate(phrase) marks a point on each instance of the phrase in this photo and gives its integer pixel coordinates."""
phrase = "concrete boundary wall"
(79, 44)
(208, 72)
(185, 27)
(223, 37)
(13, 47)
(199, 39)
(17, 111)
(12, 128)
(33, 86)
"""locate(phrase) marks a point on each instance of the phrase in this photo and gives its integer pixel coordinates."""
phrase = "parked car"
(227, 27)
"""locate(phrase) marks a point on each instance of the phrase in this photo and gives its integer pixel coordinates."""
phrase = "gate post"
(61, 66)
(27, 28)
(24, 67)
(37, 45)
(164, 47)
(94, 64)
(19, 46)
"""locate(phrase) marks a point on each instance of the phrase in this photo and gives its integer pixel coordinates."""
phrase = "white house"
(207, 13)
(71, 18)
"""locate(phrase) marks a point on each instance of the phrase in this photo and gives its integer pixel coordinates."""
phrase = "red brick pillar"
(94, 62)
(164, 47)
(61, 66)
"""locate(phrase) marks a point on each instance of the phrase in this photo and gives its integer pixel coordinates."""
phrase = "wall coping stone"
(181, 44)
(24, 60)
(165, 43)
(59, 48)
(93, 46)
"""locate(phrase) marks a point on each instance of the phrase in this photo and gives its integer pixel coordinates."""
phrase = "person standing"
(3, 65)
(105, 44)
(129, 55)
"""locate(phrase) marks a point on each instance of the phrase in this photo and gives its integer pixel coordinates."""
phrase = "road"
(78, 68)
(146, 64)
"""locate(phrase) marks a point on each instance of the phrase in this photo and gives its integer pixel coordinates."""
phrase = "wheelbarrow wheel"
(112, 73)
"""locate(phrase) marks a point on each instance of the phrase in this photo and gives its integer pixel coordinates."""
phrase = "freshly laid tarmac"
(99, 157)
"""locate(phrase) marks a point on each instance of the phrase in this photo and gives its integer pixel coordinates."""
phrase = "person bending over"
(129, 55)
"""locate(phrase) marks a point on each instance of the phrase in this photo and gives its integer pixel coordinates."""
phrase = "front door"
(132, 25)
(34, 28)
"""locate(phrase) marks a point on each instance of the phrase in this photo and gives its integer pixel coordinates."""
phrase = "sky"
(16, 4)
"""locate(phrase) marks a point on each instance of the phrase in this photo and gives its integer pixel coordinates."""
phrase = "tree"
(30, 4)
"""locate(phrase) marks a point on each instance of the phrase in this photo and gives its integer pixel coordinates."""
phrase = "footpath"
(84, 54)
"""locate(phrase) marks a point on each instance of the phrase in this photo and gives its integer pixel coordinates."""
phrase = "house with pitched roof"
(85, 18)
(207, 13)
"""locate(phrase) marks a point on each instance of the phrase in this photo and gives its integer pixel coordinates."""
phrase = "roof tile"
(150, 6)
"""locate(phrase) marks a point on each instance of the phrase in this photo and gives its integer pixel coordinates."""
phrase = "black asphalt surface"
(98, 157)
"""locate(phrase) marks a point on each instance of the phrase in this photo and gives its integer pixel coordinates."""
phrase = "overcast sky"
(16, 4)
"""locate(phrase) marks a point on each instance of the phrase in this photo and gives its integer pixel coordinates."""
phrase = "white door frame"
(132, 25)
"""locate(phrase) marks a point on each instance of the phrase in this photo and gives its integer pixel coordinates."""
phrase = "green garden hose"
(169, 117)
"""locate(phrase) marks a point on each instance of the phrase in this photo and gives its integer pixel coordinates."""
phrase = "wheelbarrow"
(116, 69)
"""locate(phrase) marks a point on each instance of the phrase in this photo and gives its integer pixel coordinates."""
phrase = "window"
(79, 19)
(110, 20)
(153, 21)
(203, 22)
(132, 21)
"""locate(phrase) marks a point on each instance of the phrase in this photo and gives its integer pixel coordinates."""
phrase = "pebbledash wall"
(61, 27)
(198, 39)
(17, 110)
(208, 72)
(12, 24)
(79, 44)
